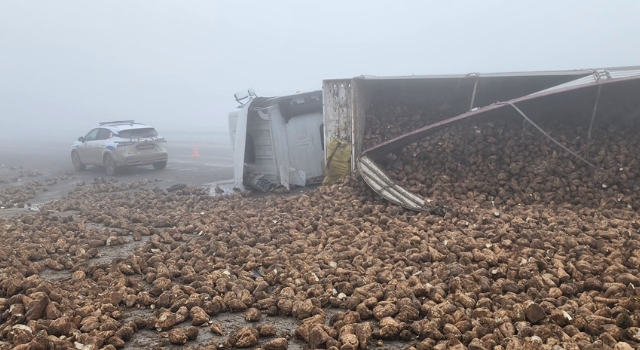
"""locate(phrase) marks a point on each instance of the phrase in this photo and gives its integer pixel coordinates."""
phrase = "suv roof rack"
(115, 122)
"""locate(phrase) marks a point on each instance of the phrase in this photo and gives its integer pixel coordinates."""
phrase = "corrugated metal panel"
(383, 185)
(616, 74)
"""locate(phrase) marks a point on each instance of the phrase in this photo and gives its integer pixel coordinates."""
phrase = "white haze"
(67, 64)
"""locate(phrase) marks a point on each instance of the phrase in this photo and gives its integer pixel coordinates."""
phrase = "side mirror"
(81, 138)
(239, 96)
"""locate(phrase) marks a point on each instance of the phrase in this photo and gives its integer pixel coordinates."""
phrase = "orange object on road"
(195, 152)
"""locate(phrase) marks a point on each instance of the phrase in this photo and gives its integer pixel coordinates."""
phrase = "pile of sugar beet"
(536, 251)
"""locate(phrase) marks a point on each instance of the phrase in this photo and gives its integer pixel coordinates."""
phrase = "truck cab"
(277, 141)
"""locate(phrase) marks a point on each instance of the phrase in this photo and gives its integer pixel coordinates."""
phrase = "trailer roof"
(575, 72)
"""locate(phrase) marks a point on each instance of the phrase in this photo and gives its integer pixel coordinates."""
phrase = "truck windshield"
(137, 133)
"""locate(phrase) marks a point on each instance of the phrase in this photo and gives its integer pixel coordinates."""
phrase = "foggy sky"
(67, 64)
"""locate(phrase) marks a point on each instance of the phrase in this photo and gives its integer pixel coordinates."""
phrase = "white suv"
(120, 143)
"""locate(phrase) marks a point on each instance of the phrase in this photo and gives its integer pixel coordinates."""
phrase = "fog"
(65, 65)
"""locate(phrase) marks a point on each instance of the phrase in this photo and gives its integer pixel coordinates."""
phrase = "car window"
(92, 135)
(137, 133)
(104, 134)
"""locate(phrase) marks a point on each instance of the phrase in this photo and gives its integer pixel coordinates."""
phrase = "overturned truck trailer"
(379, 116)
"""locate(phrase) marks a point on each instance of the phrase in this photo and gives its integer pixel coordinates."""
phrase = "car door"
(98, 146)
(103, 141)
(87, 146)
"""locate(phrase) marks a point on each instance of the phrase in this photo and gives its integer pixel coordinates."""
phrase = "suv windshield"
(138, 133)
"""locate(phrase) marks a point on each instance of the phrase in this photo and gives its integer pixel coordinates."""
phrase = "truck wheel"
(110, 165)
(160, 165)
(77, 163)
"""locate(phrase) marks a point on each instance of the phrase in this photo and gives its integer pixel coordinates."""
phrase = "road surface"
(51, 159)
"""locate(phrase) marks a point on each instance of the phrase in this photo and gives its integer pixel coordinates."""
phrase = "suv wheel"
(160, 165)
(77, 163)
(110, 164)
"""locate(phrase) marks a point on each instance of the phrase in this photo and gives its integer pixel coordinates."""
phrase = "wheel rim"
(111, 166)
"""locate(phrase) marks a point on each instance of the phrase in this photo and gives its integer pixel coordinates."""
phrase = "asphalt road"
(51, 159)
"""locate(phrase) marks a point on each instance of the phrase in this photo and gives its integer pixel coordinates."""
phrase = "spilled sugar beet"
(532, 253)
